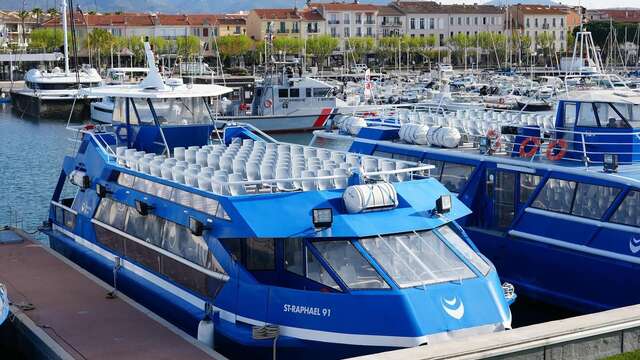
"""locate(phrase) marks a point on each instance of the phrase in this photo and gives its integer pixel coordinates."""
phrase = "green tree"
(459, 43)
(100, 42)
(388, 47)
(359, 47)
(52, 12)
(48, 39)
(159, 44)
(234, 46)
(23, 15)
(321, 47)
(188, 46)
(37, 12)
(287, 45)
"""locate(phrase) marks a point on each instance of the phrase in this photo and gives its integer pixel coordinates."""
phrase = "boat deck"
(67, 310)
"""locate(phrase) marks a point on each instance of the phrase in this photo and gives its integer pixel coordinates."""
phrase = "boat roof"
(612, 96)
(169, 92)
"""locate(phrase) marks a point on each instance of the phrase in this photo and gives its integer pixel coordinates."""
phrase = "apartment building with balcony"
(390, 21)
(348, 19)
(285, 22)
(535, 20)
(429, 18)
(12, 32)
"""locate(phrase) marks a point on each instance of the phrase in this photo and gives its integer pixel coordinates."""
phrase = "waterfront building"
(348, 19)
(390, 21)
(535, 20)
(291, 22)
(426, 18)
(14, 31)
(618, 15)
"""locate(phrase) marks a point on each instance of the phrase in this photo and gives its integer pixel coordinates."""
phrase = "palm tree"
(52, 12)
(23, 15)
(37, 12)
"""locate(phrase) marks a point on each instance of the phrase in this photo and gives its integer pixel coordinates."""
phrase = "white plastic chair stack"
(341, 182)
(310, 184)
(325, 184)
(219, 182)
(236, 189)
(284, 185)
(388, 165)
(179, 153)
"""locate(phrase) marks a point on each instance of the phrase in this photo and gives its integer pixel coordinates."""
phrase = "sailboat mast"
(64, 34)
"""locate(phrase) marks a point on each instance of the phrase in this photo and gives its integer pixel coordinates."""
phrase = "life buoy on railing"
(268, 103)
(532, 152)
(561, 153)
(501, 100)
(244, 107)
(89, 127)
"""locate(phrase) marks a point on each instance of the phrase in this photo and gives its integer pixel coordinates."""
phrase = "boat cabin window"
(569, 114)
(454, 239)
(354, 270)
(317, 272)
(253, 253)
(112, 213)
(321, 92)
(579, 199)
(628, 213)
(452, 175)
(161, 233)
(308, 92)
(415, 259)
(294, 256)
(609, 115)
(294, 93)
(528, 183)
(200, 203)
(283, 93)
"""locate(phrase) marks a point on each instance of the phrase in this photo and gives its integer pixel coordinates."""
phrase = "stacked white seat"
(325, 184)
(179, 153)
(284, 185)
(236, 189)
(310, 184)
(204, 181)
(341, 182)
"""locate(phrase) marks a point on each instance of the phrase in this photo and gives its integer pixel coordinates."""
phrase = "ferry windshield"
(173, 111)
(423, 258)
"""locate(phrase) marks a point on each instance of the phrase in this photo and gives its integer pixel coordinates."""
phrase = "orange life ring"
(563, 149)
(268, 103)
(531, 153)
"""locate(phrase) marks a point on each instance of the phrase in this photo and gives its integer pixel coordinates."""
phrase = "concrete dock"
(62, 312)
(594, 336)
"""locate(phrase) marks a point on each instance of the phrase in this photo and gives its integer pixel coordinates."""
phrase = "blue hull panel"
(560, 276)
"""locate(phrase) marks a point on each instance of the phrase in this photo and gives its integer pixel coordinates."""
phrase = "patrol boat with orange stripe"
(555, 198)
(259, 246)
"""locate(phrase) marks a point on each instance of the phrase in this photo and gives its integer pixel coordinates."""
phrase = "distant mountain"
(523, 2)
(166, 6)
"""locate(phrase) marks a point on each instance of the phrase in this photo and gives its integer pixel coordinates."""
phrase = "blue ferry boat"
(555, 199)
(259, 246)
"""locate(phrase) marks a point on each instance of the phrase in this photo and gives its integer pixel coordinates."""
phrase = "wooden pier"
(60, 311)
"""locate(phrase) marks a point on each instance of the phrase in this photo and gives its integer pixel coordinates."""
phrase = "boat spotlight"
(101, 190)
(143, 208)
(196, 226)
(610, 163)
(443, 204)
(322, 218)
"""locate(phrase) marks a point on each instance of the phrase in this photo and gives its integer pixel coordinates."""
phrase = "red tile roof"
(538, 10)
(139, 19)
(279, 14)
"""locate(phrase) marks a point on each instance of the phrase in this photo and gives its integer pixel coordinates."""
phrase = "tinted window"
(308, 92)
(569, 114)
(294, 93)
(317, 273)
(528, 183)
(180, 241)
(587, 116)
(111, 213)
(592, 200)
(294, 256)
(283, 93)
(348, 263)
(321, 92)
(260, 254)
(628, 213)
(455, 176)
(147, 228)
(556, 195)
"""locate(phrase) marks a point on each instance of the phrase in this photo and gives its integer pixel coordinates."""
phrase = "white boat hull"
(4, 304)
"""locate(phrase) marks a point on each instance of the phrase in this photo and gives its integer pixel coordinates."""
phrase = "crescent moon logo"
(634, 245)
(453, 307)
